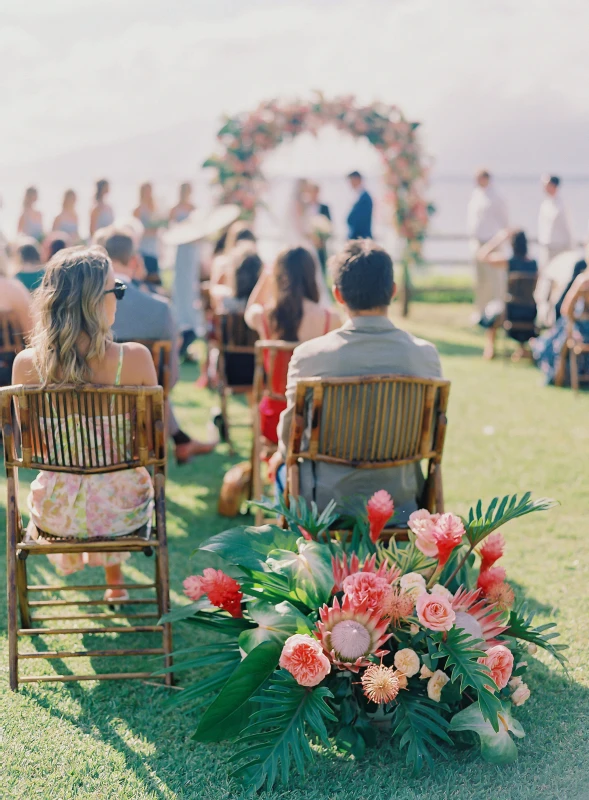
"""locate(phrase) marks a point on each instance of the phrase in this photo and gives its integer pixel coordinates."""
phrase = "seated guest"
(67, 220)
(53, 243)
(29, 268)
(367, 344)
(579, 267)
(285, 305)
(231, 294)
(72, 344)
(221, 267)
(518, 309)
(141, 315)
(16, 301)
(550, 351)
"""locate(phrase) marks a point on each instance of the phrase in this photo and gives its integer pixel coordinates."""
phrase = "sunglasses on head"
(119, 290)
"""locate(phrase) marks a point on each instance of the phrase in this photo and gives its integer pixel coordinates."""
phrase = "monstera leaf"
(497, 747)
(309, 571)
(275, 624)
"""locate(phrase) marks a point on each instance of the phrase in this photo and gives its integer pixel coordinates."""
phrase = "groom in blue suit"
(360, 217)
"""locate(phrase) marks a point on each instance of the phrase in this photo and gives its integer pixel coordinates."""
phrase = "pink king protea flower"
(477, 616)
(380, 509)
(350, 634)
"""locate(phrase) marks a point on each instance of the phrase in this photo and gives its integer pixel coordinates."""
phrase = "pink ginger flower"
(303, 657)
(447, 533)
(489, 578)
(193, 587)
(380, 509)
(499, 660)
(221, 589)
(492, 550)
(366, 587)
(422, 524)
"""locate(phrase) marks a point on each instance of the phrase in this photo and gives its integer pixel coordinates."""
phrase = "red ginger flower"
(489, 578)
(380, 509)
(491, 551)
(221, 589)
(447, 534)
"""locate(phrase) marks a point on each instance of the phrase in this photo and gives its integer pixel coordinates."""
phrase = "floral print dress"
(89, 506)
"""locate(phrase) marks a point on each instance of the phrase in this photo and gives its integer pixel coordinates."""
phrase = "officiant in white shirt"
(554, 231)
(487, 215)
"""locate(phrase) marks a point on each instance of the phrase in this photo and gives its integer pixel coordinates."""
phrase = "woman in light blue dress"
(186, 291)
(31, 221)
(148, 244)
(67, 220)
(102, 214)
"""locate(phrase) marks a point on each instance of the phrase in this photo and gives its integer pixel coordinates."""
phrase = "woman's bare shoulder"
(138, 366)
(23, 368)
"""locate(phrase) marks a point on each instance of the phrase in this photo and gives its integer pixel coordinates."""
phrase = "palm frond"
(520, 627)
(407, 557)
(299, 514)
(480, 524)
(278, 731)
(421, 727)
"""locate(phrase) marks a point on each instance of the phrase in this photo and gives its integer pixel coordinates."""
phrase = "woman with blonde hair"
(31, 220)
(72, 344)
(67, 220)
(148, 245)
(102, 214)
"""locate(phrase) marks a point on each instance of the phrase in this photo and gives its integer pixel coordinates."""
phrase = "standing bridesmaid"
(102, 214)
(186, 275)
(148, 245)
(31, 221)
(67, 220)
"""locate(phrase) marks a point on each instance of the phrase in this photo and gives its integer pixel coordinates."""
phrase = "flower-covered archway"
(245, 139)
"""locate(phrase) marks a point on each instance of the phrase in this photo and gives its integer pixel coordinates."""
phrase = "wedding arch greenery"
(244, 139)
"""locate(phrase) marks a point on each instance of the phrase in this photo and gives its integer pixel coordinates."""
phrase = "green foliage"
(248, 547)
(226, 660)
(300, 516)
(278, 731)
(421, 727)
(275, 623)
(497, 746)
(479, 525)
(309, 572)
(232, 708)
(406, 556)
(520, 627)
(462, 652)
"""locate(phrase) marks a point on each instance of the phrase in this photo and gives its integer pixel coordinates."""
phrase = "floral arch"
(245, 138)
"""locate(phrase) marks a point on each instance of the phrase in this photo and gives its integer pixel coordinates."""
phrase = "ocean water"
(449, 194)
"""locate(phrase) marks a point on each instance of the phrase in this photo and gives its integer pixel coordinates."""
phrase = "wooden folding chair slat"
(371, 422)
(109, 429)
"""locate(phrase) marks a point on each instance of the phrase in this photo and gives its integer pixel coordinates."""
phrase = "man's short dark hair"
(120, 247)
(554, 180)
(363, 272)
(355, 174)
(56, 245)
(29, 254)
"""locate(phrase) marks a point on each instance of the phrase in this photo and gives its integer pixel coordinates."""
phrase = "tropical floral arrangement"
(327, 640)
(244, 139)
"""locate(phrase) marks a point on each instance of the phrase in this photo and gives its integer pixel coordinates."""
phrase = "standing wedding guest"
(142, 315)
(285, 306)
(486, 216)
(360, 217)
(72, 344)
(31, 220)
(148, 246)
(318, 209)
(554, 232)
(102, 214)
(367, 344)
(517, 309)
(186, 275)
(67, 220)
(30, 270)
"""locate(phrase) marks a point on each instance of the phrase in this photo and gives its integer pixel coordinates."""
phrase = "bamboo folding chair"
(267, 351)
(577, 349)
(59, 430)
(373, 422)
(520, 291)
(236, 343)
(11, 342)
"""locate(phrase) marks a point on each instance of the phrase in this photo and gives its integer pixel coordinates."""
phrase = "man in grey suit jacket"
(367, 344)
(142, 315)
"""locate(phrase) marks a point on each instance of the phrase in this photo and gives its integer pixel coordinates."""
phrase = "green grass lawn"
(507, 433)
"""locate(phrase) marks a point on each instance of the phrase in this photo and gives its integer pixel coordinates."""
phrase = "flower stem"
(460, 565)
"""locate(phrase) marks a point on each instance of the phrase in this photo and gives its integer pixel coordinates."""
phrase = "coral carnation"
(499, 660)
(367, 587)
(502, 595)
(193, 587)
(380, 509)
(303, 657)
(435, 612)
(489, 578)
(492, 550)
(380, 684)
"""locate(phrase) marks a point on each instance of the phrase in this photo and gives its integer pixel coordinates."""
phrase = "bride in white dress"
(298, 233)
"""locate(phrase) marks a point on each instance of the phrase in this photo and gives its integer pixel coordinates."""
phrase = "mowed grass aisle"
(506, 434)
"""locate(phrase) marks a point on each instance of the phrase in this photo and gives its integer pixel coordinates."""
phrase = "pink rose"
(499, 660)
(303, 657)
(435, 612)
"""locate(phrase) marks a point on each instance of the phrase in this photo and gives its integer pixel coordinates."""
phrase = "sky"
(492, 80)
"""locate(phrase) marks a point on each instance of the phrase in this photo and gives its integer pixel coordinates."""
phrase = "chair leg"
(225, 417)
(574, 369)
(23, 595)
(162, 573)
(11, 585)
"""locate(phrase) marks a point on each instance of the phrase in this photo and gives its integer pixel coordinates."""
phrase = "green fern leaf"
(462, 652)
(480, 524)
(520, 627)
(278, 731)
(421, 727)
(405, 556)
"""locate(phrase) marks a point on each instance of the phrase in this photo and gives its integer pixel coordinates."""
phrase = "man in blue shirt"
(360, 217)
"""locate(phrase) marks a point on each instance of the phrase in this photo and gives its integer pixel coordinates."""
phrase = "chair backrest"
(583, 301)
(369, 422)
(85, 430)
(521, 287)
(272, 357)
(161, 352)
(11, 337)
(233, 335)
